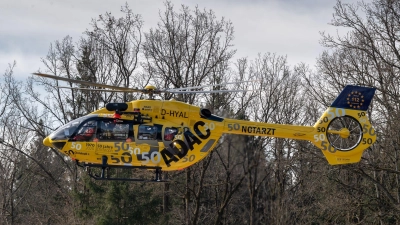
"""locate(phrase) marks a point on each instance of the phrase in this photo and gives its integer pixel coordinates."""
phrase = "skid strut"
(105, 171)
(158, 174)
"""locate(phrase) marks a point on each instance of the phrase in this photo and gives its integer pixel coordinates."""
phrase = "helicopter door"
(150, 135)
(83, 142)
(112, 133)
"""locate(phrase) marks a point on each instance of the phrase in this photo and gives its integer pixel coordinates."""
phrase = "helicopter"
(169, 135)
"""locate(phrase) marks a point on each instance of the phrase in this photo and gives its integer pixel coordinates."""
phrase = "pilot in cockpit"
(86, 132)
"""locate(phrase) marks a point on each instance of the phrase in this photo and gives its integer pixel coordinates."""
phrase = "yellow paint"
(202, 134)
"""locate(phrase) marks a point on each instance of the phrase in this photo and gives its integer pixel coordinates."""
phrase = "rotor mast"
(151, 90)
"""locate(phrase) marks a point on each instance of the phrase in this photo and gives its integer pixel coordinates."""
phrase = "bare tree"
(116, 44)
(46, 171)
(369, 55)
(29, 168)
(187, 48)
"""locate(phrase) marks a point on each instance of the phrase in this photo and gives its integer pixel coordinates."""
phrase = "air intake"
(117, 106)
(205, 113)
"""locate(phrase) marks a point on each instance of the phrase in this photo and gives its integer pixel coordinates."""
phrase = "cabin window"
(150, 132)
(147, 132)
(106, 130)
(169, 133)
(115, 130)
(121, 131)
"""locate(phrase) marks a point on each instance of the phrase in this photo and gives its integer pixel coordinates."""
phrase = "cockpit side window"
(69, 130)
(87, 132)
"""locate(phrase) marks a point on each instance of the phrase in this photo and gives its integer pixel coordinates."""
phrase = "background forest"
(245, 180)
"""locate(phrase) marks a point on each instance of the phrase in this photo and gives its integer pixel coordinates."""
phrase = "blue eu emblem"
(355, 99)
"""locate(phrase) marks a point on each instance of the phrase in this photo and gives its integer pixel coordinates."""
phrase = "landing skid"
(105, 169)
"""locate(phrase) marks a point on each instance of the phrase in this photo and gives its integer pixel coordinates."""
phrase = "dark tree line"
(245, 180)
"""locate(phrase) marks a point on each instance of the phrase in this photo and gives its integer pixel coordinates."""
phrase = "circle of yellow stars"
(355, 99)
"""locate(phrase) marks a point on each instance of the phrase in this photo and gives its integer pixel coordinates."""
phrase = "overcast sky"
(285, 27)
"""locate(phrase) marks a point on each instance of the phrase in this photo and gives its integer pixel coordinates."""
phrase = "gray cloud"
(285, 27)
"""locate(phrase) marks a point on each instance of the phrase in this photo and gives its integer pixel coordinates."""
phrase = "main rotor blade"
(86, 82)
(156, 91)
(111, 88)
(198, 92)
(210, 85)
(90, 89)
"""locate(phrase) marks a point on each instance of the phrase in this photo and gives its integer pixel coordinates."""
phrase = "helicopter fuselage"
(173, 135)
(166, 134)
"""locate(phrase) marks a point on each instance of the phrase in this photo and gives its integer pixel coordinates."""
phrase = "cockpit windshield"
(65, 131)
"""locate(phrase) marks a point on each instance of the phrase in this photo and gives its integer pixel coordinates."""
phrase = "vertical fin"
(344, 132)
(354, 97)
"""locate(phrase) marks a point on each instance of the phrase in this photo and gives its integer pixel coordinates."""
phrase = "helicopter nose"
(47, 142)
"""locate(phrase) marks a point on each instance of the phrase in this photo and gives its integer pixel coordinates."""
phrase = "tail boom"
(343, 132)
(233, 126)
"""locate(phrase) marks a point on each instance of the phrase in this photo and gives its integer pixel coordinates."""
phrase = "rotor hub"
(150, 88)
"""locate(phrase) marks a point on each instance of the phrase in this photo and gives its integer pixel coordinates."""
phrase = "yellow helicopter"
(172, 135)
